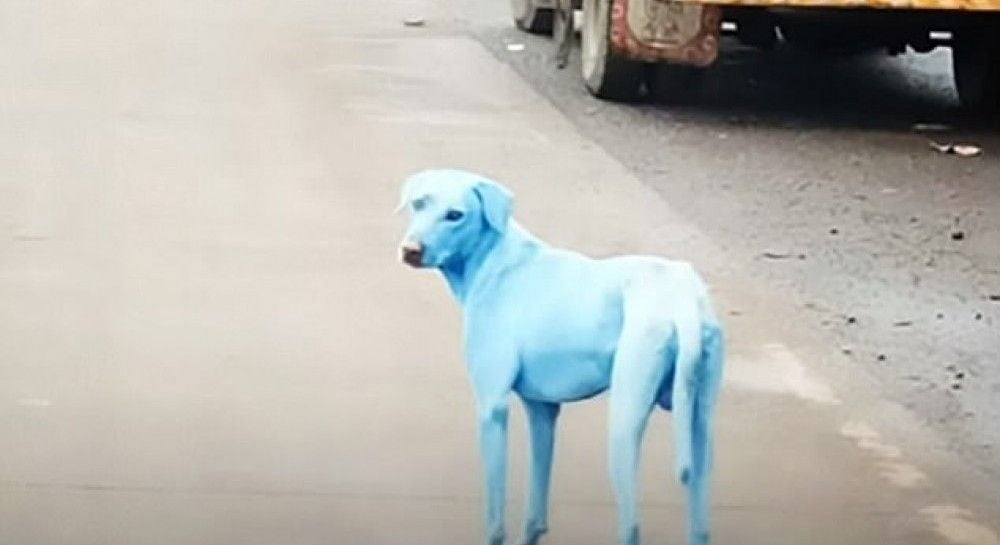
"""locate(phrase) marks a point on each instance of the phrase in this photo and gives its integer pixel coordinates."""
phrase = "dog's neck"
(492, 254)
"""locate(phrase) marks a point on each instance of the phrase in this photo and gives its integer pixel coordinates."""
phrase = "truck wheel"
(975, 61)
(605, 74)
(529, 17)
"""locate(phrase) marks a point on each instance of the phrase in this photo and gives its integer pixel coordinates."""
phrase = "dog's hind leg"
(640, 364)
(698, 371)
(542, 427)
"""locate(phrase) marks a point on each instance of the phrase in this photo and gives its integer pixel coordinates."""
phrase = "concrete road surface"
(205, 337)
(828, 160)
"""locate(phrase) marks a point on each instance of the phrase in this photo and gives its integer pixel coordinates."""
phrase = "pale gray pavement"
(783, 152)
(205, 337)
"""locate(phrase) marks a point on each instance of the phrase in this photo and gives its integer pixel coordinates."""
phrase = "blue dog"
(555, 326)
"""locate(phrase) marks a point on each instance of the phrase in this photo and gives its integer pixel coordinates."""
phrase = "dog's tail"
(698, 370)
(698, 374)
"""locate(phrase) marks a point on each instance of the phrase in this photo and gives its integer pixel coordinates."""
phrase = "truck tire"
(531, 18)
(975, 60)
(605, 74)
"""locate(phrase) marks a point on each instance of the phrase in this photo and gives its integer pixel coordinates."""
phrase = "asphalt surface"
(206, 337)
(826, 163)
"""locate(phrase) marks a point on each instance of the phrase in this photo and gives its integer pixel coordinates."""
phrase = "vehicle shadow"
(785, 86)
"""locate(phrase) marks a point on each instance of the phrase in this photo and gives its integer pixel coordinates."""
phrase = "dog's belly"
(559, 378)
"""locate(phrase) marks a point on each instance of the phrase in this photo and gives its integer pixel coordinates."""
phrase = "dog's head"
(451, 211)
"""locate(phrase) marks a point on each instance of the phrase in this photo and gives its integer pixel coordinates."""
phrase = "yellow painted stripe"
(962, 5)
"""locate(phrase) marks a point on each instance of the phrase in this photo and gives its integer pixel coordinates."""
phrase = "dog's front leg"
(493, 443)
(493, 364)
(542, 427)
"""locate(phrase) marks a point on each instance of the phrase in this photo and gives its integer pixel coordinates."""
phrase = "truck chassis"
(620, 39)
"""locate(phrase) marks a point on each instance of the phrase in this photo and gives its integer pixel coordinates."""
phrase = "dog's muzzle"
(412, 254)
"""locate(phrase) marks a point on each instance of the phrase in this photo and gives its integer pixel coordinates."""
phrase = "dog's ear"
(497, 202)
(406, 194)
(403, 201)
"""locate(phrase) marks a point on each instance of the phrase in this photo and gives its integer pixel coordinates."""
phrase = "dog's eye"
(453, 215)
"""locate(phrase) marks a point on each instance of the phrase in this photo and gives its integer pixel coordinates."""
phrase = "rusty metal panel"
(666, 30)
(960, 5)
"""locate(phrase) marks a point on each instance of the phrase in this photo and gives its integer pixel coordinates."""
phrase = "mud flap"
(664, 30)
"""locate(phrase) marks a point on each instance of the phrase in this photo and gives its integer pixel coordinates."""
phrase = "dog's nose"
(412, 254)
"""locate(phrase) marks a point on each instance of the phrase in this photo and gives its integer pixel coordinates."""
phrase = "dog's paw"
(532, 536)
(496, 538)
(698, 538)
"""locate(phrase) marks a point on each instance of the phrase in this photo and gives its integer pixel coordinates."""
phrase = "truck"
(621, 39)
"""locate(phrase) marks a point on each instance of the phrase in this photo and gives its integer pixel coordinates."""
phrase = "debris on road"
(931, 127)
(776, 255)
(414, 22)
(29, 238)
(515, 47)
(956, 376)
(771, 254)
(962, 150)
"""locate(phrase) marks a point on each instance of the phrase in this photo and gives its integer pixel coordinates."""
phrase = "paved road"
(785, 153)
(205, 337)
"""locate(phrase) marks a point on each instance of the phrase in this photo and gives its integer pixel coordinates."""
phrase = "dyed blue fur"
(553, 326)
